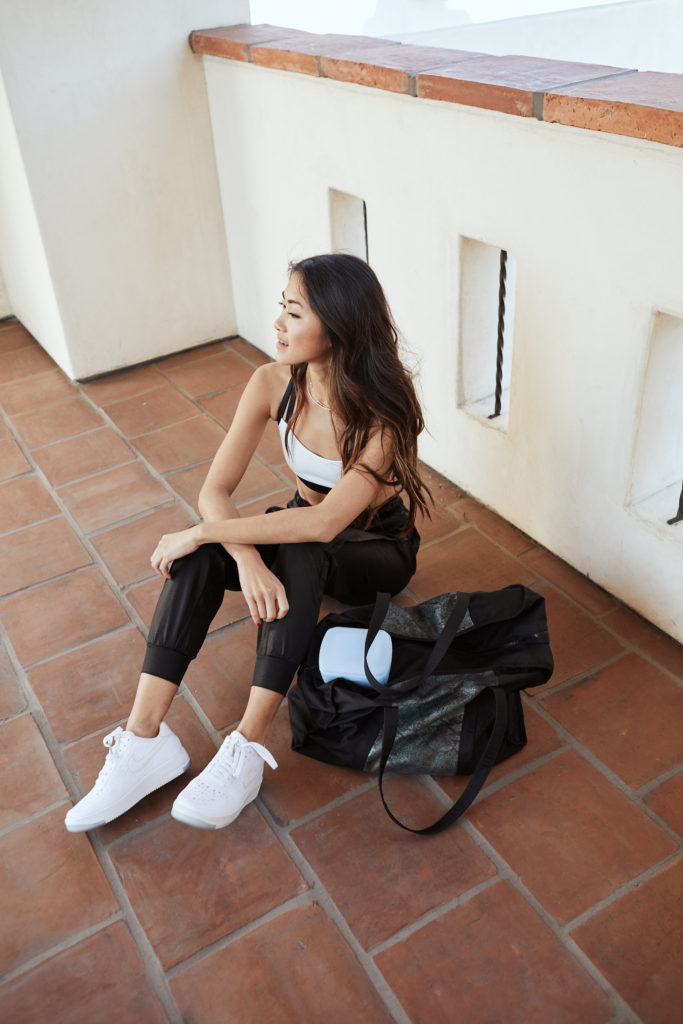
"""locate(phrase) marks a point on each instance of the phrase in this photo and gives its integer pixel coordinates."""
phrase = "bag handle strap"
(495, 742)
(477, 779)
(437, 652)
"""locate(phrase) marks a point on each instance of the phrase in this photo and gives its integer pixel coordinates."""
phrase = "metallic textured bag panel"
(424, 621)
(430, 726)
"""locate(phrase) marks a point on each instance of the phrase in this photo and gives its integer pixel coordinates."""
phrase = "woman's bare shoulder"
(272, 380)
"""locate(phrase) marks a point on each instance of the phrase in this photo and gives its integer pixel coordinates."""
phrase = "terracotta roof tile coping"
(645, 105)
(623, 101)
(513, 84)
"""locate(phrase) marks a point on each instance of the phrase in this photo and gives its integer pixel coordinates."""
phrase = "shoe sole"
(189, 818)
(143, 790)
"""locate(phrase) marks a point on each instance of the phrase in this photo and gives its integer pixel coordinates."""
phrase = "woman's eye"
(295, 316)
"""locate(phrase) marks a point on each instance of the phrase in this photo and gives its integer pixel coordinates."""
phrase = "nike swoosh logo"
(137, 762)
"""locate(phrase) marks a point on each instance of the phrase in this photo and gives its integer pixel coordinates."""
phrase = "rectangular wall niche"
(348, 224)
(480, 311)
(658, 451)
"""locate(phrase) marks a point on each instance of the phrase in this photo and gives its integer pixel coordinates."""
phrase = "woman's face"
(301, 337)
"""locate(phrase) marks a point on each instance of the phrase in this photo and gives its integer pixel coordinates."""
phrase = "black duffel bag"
(452, 703)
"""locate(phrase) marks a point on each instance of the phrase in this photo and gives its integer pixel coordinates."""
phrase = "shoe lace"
(229, 760)
(114, 752)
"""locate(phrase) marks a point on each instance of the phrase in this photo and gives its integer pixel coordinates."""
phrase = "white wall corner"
(112, 126)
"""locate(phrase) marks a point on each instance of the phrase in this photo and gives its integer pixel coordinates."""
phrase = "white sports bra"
(313, 470)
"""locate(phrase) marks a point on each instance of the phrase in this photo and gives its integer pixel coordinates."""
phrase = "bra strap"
(286, 407)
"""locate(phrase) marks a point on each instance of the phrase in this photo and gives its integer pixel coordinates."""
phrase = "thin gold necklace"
(314, 399)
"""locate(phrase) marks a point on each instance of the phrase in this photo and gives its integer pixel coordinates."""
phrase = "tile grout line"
(316, 895)
(329, 906)
(540, 578)
(608, 773)
(490, 788)
(627, 646)
(142, 943)
(633, 647)
(568, 742)
(75, 570)
(170, 502)
(622, 890)
(117, 588)
(302, 899)
(85, 477)
(435, 914)
(61, 947)
(473, 524)
(35, 815)
(97, 563)
(76, 647)
(649, 787)
(153, 361)
(27, 526)
(148, 957)
(69, 437)
(517, 558)
(350, 796)
(595, 615)
(192, 702)
(150, 961)
(139, 457)
(458, 528)
(584, 676)
(158, 474)
(622, 1011)
(333, 805)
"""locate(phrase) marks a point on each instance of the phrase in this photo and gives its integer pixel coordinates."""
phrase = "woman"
(349, 421)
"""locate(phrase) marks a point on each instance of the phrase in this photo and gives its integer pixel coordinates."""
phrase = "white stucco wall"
(109, 109)
(5, 307)
(587, 219)
(29, 293)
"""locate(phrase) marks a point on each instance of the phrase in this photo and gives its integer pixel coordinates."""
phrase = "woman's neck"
(317, 384)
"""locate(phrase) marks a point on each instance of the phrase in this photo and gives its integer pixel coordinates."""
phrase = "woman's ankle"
(259, 714)
(253, 735)
(152, 700)
(146, 731)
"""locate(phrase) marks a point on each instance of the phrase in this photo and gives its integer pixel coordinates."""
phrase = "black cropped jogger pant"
(352, 568)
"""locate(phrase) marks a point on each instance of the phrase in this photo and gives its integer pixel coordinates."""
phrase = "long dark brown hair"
(369, 386)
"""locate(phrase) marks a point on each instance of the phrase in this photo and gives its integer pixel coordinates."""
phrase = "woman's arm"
(355, 492)
(322, 522)
(238, 446)
(263, 592)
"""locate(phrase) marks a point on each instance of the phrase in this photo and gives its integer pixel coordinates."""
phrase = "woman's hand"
(172, 546)
(263, 591)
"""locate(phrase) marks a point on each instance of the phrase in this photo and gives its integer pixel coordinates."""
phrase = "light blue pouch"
(341, 655)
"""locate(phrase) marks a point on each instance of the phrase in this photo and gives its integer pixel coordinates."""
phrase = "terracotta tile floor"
(554, 901)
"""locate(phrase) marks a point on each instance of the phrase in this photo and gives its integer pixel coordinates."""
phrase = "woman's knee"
(206, 562)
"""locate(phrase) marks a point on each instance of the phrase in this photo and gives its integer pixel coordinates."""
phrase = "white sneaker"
(134, 767)
(230, 781)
